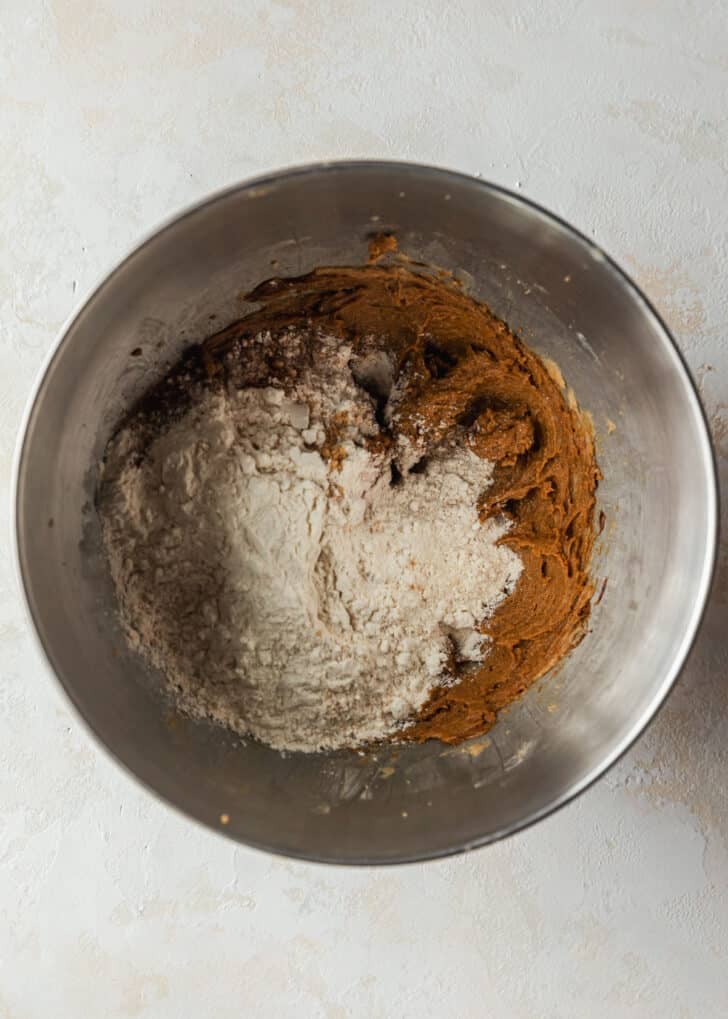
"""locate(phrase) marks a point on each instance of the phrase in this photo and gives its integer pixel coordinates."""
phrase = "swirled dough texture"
(460, 377)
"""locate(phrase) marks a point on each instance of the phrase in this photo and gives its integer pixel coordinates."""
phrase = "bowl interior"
(570, 304)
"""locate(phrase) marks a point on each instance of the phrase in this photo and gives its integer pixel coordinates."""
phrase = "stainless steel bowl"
(571, 303)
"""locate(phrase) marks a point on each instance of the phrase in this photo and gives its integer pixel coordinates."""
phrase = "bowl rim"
(708, 565)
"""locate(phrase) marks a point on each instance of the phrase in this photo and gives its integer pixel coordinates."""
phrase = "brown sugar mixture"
(460, 378)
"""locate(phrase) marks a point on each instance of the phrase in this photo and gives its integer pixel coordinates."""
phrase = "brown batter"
(461, 377)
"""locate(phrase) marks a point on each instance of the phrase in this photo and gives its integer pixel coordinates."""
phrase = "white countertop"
(113, 115)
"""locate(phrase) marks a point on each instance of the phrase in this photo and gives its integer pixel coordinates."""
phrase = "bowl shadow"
(682, 759)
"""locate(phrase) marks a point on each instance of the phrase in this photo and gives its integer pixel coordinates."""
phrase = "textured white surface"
(113, 115)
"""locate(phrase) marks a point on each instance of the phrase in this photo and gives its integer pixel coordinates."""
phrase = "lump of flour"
(290, 575)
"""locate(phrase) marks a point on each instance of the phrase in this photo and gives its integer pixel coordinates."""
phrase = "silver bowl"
(571, 303)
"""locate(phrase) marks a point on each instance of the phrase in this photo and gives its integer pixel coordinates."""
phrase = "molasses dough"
(460, 377)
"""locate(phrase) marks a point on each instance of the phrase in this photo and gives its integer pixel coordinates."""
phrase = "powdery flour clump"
(268, 566)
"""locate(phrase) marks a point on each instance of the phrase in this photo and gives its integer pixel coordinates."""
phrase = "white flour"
(309, 606)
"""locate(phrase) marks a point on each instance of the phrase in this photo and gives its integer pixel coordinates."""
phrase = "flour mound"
(283, 578)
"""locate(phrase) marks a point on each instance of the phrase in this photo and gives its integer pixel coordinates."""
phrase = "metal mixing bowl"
(571, 303)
